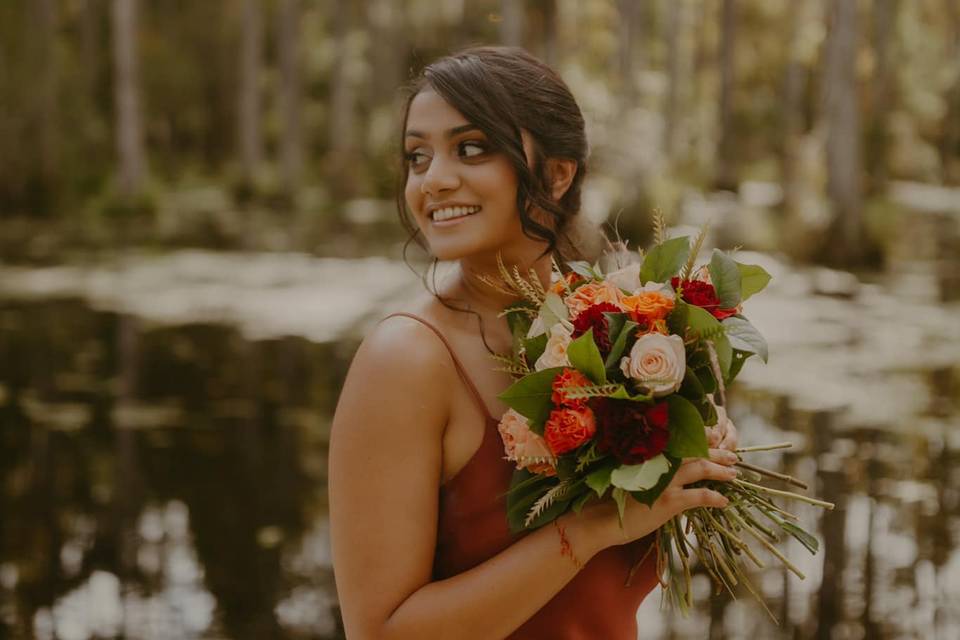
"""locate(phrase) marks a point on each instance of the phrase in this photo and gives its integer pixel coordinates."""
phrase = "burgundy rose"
(703, 295)
(629, 431)
(592, 318)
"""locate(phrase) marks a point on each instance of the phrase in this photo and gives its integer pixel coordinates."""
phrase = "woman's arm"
(385, 469)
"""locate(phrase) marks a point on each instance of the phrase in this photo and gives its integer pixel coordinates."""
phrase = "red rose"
(703, 295)
(568, 378)
(629, 431)
(568, 428)
(592, 318)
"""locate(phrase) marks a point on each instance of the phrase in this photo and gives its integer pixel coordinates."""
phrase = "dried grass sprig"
(545, 501)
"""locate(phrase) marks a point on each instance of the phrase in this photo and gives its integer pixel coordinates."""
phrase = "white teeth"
(453, 212)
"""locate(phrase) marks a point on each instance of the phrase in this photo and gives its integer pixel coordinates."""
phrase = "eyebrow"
(449, 133)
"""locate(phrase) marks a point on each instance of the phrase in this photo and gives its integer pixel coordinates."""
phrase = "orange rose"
(558, 286)
(593, 293)
(568, 378)
(649, 305)
(568, 428)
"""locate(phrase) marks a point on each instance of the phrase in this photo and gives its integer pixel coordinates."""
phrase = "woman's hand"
(640, 519)
(724, 434)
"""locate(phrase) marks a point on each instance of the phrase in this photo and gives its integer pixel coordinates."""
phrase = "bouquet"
(616, 377)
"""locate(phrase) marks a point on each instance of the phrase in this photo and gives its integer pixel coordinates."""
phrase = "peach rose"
(657, 362)
(525, 447)
(592, 293)
(555, 355)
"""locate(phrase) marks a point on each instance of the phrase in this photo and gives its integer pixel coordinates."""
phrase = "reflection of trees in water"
(232, 456)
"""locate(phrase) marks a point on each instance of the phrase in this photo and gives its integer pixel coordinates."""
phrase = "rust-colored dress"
(595, 605)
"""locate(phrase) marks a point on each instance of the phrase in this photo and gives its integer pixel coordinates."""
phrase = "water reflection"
(169, 481)
(161, 482)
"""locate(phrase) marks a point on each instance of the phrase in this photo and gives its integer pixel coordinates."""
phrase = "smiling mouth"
(451, 213)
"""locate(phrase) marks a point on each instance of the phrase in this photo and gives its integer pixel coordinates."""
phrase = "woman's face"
(461, 192)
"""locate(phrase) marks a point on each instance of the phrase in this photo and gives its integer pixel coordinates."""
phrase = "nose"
(440, 176)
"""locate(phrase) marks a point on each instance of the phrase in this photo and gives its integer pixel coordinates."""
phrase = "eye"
(471, 148)
(416, 159)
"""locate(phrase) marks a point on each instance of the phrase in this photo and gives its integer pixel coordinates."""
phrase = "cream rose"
(555, 355)
(525, 447)
(657, 362)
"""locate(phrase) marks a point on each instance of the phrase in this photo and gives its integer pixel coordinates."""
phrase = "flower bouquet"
(616, 377)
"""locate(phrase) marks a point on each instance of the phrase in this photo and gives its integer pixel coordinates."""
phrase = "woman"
(495, 152)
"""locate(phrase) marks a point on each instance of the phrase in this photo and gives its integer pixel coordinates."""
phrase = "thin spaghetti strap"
(456, 361)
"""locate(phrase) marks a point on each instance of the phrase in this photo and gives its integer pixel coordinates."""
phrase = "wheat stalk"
(697, 246)
(659, 227)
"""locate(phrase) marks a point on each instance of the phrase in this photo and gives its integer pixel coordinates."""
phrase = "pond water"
(163, 448)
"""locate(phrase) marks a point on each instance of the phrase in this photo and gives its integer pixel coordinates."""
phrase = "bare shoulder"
(405, 366)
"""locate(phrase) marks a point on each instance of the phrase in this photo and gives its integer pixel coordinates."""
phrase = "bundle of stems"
(724, 540)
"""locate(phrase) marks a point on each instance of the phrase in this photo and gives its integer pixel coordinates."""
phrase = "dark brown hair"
(502, 90)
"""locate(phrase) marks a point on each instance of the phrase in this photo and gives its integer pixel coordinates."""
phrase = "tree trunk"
(248, 105)
(129, 127)
(46, 20)
(882, 94)
(726, 176)
(630, 32)
(342, 102)
(674, 66)
(950, 146)
(288, 40)
(512, 24)
(794, 87)
(841, 112)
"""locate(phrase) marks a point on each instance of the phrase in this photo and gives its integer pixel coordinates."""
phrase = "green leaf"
(753, 279)
(664, 261)
(525, 489)
(552, 311)
(585, 358)
(623, 394)
(640, 477)
(599, 480)
(620, 497)
(744, 336)
(620, 344)
(530, 397)
(584, 269)
(739, 357)
(693, 390)
(677, 319)
(535, 347)
(687, 436)
(804, 538)
(650, 495)
(726, 279)
(577, 505)
(517, 319)
(701, 321)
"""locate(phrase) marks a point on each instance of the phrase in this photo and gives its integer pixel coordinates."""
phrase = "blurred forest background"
(197, 225)
(274, 123)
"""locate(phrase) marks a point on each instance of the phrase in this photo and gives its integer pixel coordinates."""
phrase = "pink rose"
(525, 447)
(555, 353)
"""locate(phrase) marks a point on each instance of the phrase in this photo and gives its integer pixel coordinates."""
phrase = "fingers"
(723, 456)
(693, 498)
(730, 437)
(714, 436)
(702, 469)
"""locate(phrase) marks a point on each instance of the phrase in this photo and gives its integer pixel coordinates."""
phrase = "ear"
(560, 172)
